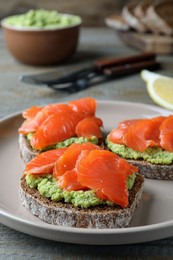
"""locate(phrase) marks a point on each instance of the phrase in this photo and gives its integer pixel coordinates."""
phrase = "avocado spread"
(47, 186)
(77, 140)
(67, 142)
(154, 155)
(42, 19)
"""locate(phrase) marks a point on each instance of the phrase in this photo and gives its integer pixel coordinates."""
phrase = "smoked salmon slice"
(57, 122)
(34, 123)
(31, 112)
(138, 134)
(143, 134)
(103, 171)
(70, 182)
(86, 106)
(67, 162)
(89, 127)
(166, 134)
(44, 163)
(116, 135)
(83, 167)
(31, 126)
(56, 128)
(64, 169)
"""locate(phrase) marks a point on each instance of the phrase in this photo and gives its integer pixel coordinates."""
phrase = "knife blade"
(102, 70)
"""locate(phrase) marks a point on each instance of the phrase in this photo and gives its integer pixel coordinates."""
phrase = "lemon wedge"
(159, 87)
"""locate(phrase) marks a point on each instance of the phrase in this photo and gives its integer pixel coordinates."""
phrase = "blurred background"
(92, 12)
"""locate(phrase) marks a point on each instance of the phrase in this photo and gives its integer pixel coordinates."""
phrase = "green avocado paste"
(68, 142)
(42, 19)
(154, 155)
(47, 187)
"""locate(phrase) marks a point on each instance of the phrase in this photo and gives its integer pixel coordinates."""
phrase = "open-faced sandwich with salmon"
(83, 186)
(59, 125)
(147, 144)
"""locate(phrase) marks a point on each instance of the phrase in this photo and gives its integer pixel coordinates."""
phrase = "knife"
(102, 70)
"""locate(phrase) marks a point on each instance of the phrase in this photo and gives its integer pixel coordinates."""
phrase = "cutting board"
(160, 44)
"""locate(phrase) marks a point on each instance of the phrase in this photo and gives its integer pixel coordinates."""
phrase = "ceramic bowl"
(41, 46)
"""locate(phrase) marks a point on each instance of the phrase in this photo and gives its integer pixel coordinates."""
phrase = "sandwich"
(81, 186)
(58, 125)
(147, 144)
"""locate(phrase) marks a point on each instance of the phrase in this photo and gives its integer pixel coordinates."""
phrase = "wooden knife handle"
(100, 65)
(130, 68)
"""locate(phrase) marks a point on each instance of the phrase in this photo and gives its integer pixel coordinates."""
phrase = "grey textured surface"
(16, 96)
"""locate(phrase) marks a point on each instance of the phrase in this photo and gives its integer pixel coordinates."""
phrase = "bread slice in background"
(141, 8)
(140, 11)
(117, 22)
(159, 17)
(67, 215)
(155, 16)
(131, 19)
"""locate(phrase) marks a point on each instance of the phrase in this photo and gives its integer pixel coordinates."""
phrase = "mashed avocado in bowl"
(42, 37)
(42, 19)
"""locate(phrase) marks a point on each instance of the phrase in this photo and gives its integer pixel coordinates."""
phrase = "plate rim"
(4, 213)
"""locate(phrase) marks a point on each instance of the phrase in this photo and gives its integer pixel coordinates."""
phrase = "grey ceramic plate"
(152, 220)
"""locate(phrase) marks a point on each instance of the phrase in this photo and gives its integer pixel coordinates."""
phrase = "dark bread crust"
(65, 214)
(26, 151)
(154, 171)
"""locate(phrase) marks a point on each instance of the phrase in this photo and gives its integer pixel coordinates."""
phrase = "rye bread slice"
(159, 17)
(141, 8)
(27, 153)
(153, 171)
(140, 11)
(117, 22)
(67, 215)
(131, 19)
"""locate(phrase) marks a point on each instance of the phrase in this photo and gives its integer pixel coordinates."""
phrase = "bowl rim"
(40, 29)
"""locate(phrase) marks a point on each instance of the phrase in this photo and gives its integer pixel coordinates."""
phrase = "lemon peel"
(159, 87)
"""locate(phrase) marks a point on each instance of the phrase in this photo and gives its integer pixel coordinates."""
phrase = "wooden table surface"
(15, 96)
